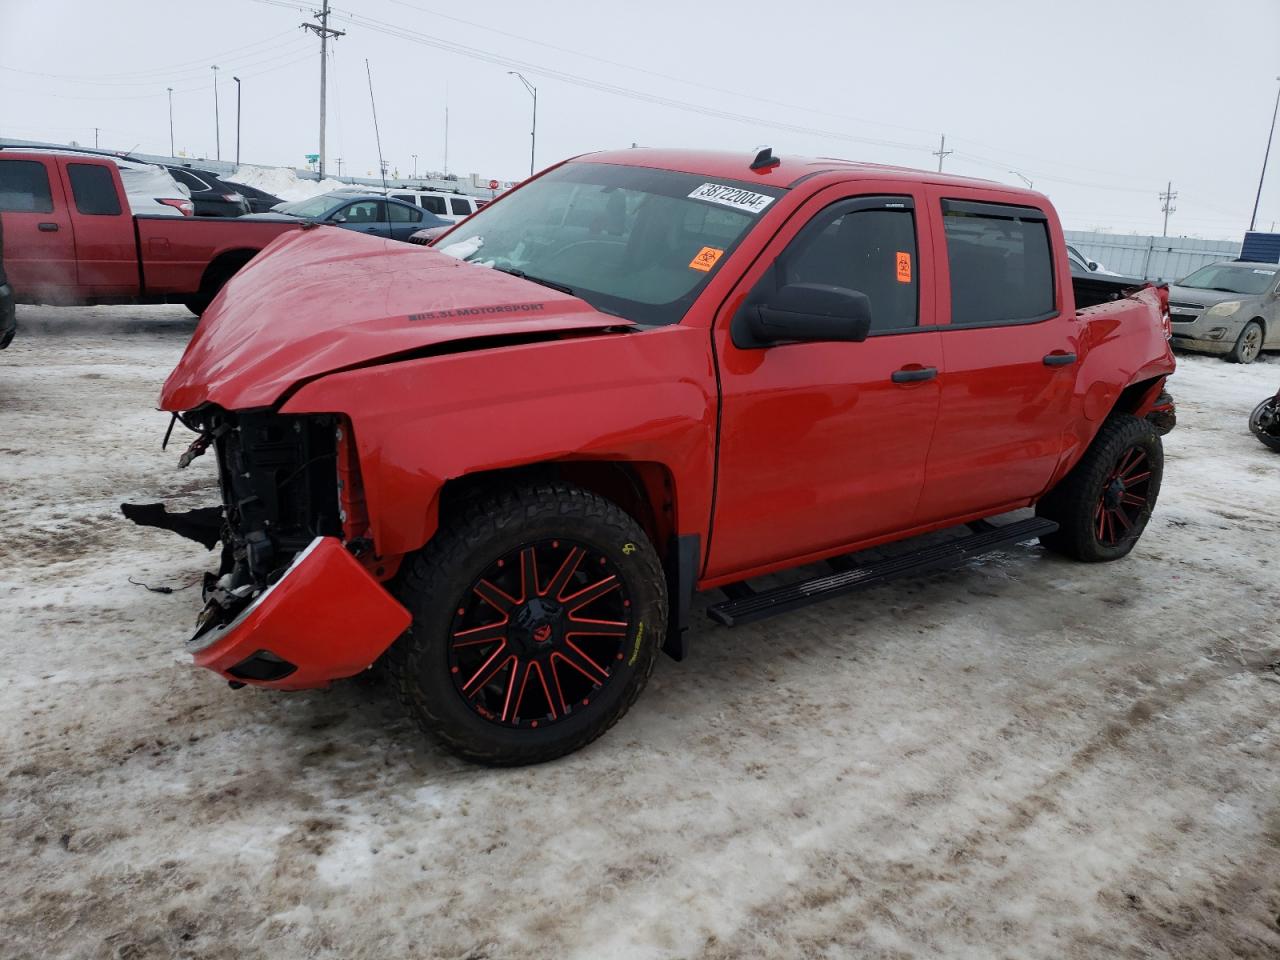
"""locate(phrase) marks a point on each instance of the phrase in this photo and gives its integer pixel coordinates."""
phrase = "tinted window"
(406, 197)
(366, 211)
(434, 204)
(460, 206)
(401, 214)
(93, 189)
(872, 251)
(24, 187)
(1001, 268)
(191, 180)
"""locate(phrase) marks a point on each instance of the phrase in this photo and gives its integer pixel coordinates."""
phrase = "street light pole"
(533, 133)
(1265, 157)
(171, 150)
(1030, 185)
(217, 127)
(237, 80)
(415, 166)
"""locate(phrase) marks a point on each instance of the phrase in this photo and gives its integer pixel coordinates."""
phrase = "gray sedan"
(380, 216)
(1230, 308)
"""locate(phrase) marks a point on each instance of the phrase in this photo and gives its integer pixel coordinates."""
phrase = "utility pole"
(1168, 197)
(95, 138)
(171, 151)
(237, 80)
(339, 166)
(942, 152)
(217, 128)
(533, 134)
(446, 135)
(1265, 157)
(324, 32)
(415, 166)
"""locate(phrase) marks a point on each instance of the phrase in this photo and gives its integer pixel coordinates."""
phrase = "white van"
(451, 206)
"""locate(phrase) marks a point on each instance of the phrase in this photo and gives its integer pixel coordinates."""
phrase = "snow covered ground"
(1022, 758)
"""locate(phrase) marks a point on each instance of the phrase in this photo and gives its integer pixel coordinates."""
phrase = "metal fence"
(1151, 258)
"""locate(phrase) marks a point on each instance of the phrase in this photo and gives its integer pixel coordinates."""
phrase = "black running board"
(747, 605)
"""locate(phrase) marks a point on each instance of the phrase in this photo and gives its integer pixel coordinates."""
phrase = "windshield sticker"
(706, 259)
(904, 267)
(478, 311)
(734, 197)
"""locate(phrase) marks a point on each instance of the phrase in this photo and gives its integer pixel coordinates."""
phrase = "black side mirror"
(804, 312)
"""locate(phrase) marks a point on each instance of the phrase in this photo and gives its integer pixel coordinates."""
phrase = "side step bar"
(747, 605)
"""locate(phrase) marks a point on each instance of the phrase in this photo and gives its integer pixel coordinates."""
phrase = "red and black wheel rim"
(1124, 497)
(540, 634)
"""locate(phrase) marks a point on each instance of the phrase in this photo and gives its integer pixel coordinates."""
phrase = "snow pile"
(283, 182)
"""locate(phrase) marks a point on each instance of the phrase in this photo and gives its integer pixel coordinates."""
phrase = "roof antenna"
(765, 159)
(382, 167)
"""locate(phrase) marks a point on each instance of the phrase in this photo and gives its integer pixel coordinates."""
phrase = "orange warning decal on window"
(904, 267)
(706, 259)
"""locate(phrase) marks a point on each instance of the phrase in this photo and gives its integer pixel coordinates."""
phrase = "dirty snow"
(1023, 758)
(283, 182)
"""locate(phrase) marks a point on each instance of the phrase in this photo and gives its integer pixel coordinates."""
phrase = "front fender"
(639, 396)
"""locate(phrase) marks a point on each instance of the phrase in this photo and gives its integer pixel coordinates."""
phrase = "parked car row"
(367, 213)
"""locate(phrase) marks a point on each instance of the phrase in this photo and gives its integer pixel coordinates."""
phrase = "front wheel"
(1248, 344)
(537, 615)
(1103, 505)
(1265, 422)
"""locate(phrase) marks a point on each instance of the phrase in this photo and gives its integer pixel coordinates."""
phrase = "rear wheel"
(1265, 422)
(1103, 505)
(537, 614)
(1248, 344)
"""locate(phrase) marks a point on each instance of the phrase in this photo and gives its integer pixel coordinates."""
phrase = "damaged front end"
(290, 606)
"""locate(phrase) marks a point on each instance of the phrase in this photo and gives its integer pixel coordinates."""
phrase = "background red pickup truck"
(662, 372)
(69, 237)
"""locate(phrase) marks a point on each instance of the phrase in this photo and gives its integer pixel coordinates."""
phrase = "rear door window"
(1000, 262)
(434, 204)
(93, 189)
(24, 187)
(460, 207)
(401, 214)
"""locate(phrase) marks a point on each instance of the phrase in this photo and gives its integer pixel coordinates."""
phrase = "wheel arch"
(644, 489)
(224, 265)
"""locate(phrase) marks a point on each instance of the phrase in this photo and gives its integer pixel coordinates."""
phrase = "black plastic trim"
(684, 557)
(984, 208)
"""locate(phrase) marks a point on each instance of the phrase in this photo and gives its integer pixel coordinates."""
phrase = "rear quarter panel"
(1120, 344)
(647, 397)
(175, 251)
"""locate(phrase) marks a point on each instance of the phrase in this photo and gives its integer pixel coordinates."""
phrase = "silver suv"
(1230, 308)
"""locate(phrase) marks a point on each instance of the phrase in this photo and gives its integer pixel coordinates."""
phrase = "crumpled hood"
(326, 299)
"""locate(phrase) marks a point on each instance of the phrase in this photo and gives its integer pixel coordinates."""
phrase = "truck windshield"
(1231, 278)
(633, 242)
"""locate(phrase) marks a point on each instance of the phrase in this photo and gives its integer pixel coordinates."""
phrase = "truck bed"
(175, 252)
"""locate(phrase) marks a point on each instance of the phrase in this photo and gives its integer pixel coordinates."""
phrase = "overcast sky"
(1099, 104)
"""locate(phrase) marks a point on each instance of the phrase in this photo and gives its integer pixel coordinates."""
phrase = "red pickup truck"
(504, 465)
(69, 237)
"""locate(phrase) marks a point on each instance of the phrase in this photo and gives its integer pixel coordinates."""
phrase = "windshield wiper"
(546, 283)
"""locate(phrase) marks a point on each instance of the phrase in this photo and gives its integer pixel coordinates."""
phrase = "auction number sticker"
(734, 197)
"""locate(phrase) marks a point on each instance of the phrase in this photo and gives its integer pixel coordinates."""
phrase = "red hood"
(316, 301)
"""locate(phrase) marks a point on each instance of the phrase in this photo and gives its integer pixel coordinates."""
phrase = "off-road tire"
(1248, 345)
(1072, 504)
(431, 582)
